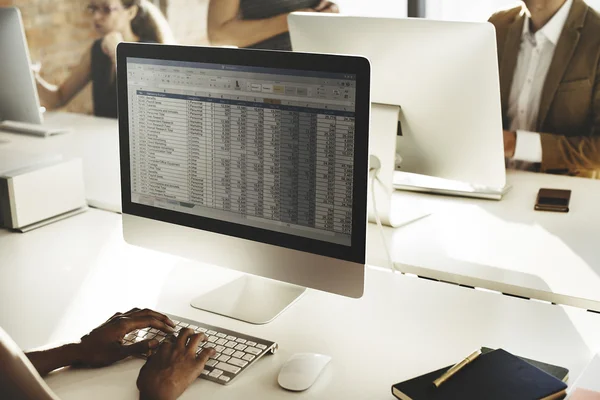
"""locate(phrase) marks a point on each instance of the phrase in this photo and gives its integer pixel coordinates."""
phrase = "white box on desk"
(39, 190)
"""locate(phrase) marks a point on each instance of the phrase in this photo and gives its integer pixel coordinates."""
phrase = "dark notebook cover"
(554, 370)
(497, 375)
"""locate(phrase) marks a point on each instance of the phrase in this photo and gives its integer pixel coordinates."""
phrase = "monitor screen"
(268, 148)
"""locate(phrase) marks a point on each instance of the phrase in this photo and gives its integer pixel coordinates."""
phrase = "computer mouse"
(301, 371)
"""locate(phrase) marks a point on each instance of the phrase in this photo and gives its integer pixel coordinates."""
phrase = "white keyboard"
(236, 351)
(30, 129)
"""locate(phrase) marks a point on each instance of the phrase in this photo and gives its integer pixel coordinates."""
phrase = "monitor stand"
(250, 299)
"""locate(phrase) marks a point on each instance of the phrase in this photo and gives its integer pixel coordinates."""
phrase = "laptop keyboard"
(236, 351)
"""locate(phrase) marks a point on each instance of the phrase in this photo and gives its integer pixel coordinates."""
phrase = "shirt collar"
(554, 27)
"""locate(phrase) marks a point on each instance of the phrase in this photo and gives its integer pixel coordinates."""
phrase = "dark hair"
(149, 24)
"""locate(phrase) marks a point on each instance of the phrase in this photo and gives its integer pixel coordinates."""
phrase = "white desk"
(61, 280)
(94, 140)
(506, 245)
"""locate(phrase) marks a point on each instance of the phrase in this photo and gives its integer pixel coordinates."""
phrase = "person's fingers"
(195, 341)
(132, 323)
(147, 312)
(322, 5)
(204, 356)
(134, 309)
(143, 347)
(183, 337)
(332, 9)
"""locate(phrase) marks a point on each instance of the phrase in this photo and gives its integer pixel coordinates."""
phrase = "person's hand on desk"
(103, 346)
(174, 367)
(510, 143)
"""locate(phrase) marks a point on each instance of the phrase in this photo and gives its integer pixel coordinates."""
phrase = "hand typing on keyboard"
(174, 366)
(103, 346)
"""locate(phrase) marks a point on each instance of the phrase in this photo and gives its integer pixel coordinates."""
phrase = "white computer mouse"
(301, 371)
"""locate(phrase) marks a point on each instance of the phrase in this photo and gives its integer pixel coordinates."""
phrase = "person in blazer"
(549, 61)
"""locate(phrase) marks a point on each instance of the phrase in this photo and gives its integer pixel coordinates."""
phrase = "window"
(373, 8)
(474, 10)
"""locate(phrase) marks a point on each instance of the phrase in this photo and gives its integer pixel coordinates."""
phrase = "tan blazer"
(569, 114)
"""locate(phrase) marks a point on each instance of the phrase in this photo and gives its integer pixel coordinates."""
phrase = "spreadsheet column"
(271, 149)
(289, 166)
(325, 185)
(209, 158)
(307, 159)
(238, 159)
(222, 154)
(197, 152)
(255, 161)
(344, 173)
(167, 148)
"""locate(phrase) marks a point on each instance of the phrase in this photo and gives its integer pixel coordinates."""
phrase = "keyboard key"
(224, 358)
(219, 349)
(261, 346)
(253, 350)
(221, 341)
(212, 339)
(154, 330)
(240, 347)
(193, 327)
(209, 345)
(183, 324)
(178, 328)
(211, 332)
(240, 340)
(224, 378)
(231, 344)
(237, 362)
(216, 373)
(239, 354)
(205, 372)
(248, 357)
(203, 330)
(249, 343)
(221, 335)
(211, 363)
(228, 351)
(232, 338)
(232, 369)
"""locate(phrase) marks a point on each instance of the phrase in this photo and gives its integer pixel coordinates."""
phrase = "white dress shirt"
(533, 62)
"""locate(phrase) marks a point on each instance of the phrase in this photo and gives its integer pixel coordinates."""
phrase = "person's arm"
(103, 346)
(176, 364)
(53, 96)
(225, 27)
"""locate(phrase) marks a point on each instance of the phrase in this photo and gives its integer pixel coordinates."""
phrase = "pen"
(457, 367)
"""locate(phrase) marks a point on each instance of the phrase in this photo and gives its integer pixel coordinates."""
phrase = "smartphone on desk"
(553, 200)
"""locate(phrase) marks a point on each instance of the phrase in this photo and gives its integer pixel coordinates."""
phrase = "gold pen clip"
(456, 367)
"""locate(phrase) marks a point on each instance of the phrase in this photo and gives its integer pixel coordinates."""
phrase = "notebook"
(554, 370)
(497, 375)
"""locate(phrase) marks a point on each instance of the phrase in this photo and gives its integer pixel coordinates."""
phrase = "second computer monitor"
(18, 94)
(443, 76)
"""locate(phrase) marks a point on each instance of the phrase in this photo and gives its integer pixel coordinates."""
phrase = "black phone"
(553, 200)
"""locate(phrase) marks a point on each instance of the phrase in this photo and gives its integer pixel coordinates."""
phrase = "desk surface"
(94, 140)
(505, 245)
(59, 281)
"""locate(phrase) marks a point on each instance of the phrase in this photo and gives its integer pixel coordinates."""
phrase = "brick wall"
(59, 32)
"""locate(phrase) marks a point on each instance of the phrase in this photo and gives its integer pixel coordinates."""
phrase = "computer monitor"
(18, 93)
(251, 160)
(439, 77)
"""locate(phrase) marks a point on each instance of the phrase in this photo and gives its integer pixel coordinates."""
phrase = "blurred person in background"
(115, 21)
(258, 24)
(549, 59)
